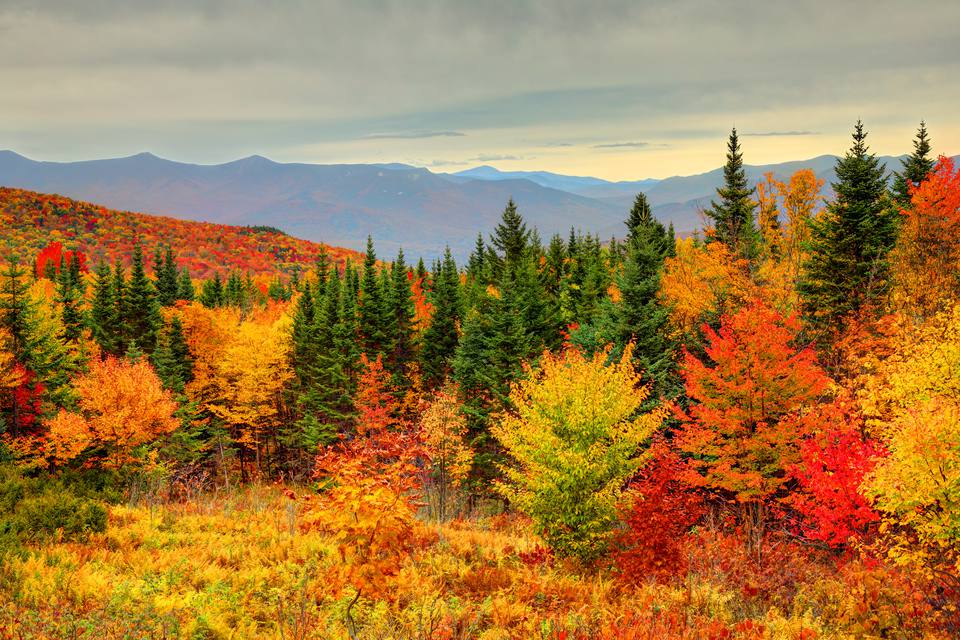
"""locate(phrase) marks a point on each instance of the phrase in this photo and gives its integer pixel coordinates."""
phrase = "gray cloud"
(618, 145)
(766, 134)
(414, 135)
(208, 80)
(493, 158)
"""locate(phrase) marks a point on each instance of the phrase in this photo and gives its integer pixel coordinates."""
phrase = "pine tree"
(121, 333)
(511, 237)
(733, 215)
(401, 317)
(36, 346)
(103, 319)
(185, 290)
(180, 350)
(638, 316)
(441, 338)
(916, 167)
(475, 265)
(165, 273)
(640, 216)
(847, 267)
(70, 293)
(374, 330)
(141, 312)
(211, 294)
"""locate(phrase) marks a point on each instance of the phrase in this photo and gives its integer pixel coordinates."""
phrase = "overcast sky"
(621, 90)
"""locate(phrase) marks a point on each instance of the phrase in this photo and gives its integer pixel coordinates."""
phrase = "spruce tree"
(37, 346)
(441, 337)
(733, 215)
(165, 273)
(180, 350)
(638, 316)
(119, 300)
(916, 167)
(373, 314)
(103, 319)
(849, 242)
(185, 290)
(511, 237)
(401, 318)
(70, 293)
(640, 216)
(141, 312)
(211, 294)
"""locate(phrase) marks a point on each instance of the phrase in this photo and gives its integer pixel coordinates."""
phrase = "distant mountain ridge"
(398, 204)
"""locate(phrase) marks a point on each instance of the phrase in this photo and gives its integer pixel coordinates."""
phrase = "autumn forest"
(748, 432)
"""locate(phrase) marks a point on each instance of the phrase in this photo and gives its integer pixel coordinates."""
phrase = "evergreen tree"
(733, 215)
(640, 216)
(185, 290)
(165, 273)
(916, 167)
(180, 350)
(441, 338)
(847, 266)
(511, 237)
(70, 293)
(141, 312)
(211, 294)
(402, 314)
(475, 265)
(103, 319)
(37, 346)
(373, 315)
(119, 300)
(235, 293)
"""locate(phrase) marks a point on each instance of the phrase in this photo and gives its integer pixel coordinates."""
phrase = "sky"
(621, 90)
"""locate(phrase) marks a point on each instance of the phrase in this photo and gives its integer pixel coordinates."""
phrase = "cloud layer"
(386, 80)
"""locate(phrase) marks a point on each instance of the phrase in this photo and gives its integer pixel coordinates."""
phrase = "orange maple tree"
(741, 430)
(123, 405)
(371, 487)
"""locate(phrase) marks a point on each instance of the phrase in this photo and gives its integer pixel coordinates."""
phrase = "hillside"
(399, 206)
(32, 220)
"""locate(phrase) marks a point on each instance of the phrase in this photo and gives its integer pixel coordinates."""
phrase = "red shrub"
(662, 512)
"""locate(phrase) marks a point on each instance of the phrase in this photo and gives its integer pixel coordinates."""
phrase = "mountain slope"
(580, 185)
(340, 204)
(30, 221)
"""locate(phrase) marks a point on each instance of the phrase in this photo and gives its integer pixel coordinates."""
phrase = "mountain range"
(399, 205)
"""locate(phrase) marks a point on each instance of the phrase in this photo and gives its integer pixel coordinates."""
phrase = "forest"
(752, 432)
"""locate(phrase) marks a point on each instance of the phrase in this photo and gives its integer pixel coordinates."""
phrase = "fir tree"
(441, 338)
(119, 300)
(511, 237)
(103, 319)
(847, 265)
(733, 215)
(211, 294)
(141, 312)
(70, 293)
(916, 167)
(374, 330)
(185, 290)
(36, 346)
(401, 318)
(640, 216)
(165, 273)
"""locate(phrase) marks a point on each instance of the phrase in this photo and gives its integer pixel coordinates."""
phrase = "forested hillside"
(31, 221)
(749, 433)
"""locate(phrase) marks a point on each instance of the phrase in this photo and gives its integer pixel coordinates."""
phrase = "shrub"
(46, 515)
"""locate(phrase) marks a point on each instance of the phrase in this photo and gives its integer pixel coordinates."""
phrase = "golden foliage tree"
(575, 435)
